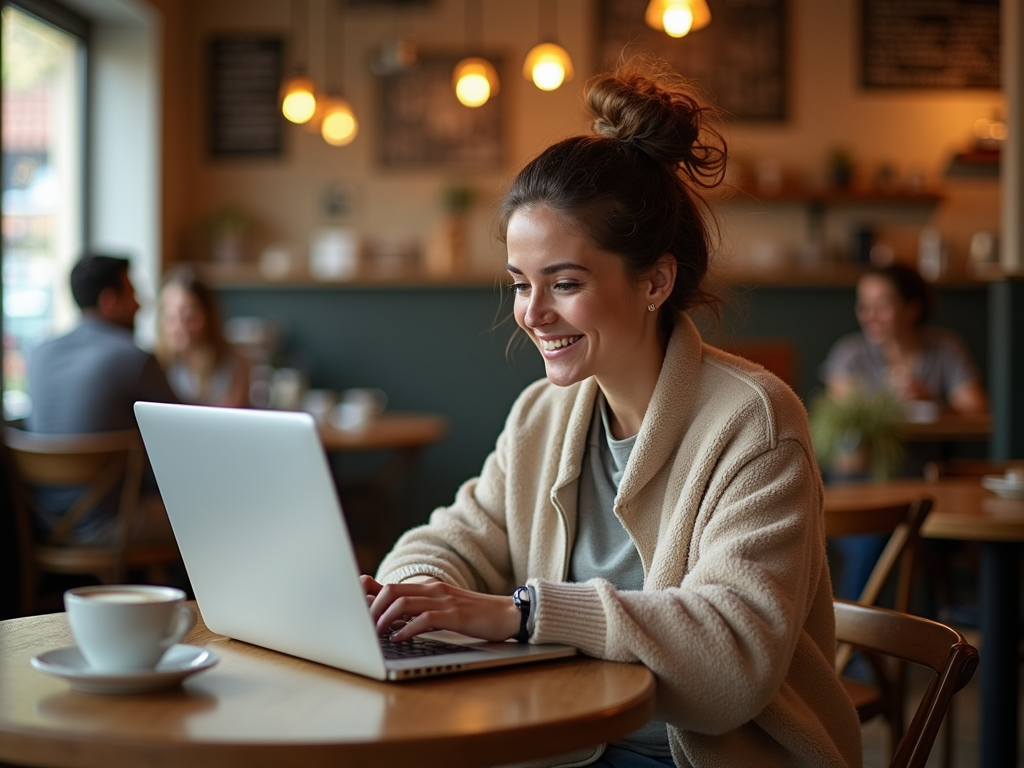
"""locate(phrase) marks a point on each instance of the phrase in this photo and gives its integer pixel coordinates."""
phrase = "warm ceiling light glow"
(548, 65)
(298, 102)
(475, 81)
(677, 17)
(339, 125)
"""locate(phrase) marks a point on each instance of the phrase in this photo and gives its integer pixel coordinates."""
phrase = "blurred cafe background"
(356, 249)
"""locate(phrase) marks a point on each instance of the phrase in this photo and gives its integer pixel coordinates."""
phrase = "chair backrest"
(938, 647)
(902, 523)
(99, 464)
(776, 355)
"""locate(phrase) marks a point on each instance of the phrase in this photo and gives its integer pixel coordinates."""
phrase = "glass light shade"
(548, 66)
(298, 99)
(677, 17)
(475, 81)
(339, 125)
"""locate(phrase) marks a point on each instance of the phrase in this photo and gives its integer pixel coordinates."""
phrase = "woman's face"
(881, 311)
(182, 318)
(577, 303)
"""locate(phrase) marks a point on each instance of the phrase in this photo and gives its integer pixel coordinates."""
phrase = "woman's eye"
(518, 287)
(566, 287)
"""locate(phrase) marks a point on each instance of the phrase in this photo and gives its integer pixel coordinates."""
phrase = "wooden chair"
(100, 464)
(902, 522)
(776, 355)
(943, 650)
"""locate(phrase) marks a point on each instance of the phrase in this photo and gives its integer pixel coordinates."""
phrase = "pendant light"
(677, 17)
(297, 94)
(338, 124)
(474, 78)
(548, 64)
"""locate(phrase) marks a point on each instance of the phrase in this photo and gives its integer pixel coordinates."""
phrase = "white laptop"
(254, 509)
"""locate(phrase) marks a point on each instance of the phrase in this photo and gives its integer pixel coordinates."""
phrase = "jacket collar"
(664, 423)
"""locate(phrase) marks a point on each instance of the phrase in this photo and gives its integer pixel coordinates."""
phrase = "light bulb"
(339, 126)
(548, 66)
(298, 102)
(677, 19)
(475, 81)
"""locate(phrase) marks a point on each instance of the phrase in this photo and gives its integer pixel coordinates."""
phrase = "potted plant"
(446, 252)
(859, 434)
(840, 167)
(228, 231)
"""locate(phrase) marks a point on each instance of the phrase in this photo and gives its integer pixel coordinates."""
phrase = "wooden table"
(949, 428)
(261, 709)
(372, 500)
(964, 510)
(389, 431)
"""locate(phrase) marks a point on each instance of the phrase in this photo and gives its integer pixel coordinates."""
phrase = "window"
(42, 203)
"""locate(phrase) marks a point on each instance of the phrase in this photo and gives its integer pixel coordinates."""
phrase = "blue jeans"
(617, 757)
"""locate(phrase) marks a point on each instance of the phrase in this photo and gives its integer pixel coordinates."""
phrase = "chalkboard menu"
(738, 60)
(245, 75)
(931, 43)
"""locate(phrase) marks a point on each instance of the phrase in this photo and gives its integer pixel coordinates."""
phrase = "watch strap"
(521, 597)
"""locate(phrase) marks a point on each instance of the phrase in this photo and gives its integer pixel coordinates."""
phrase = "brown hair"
(633, 187)
(216, 346)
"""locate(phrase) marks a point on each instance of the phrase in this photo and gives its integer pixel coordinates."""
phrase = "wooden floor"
(966, 716)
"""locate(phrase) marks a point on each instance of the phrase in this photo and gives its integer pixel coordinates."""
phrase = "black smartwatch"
(521, 597)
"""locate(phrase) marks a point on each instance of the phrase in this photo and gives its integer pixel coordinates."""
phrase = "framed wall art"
(422, 124)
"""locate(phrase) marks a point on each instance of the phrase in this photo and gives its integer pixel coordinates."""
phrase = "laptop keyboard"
(418, 647)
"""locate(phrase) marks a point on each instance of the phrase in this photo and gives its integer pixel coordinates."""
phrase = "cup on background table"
(126, 627)
(358, 407)
(318, 403)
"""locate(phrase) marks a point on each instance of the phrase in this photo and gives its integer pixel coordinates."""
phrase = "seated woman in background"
(898, 350)
(201, 366)
(653, 499)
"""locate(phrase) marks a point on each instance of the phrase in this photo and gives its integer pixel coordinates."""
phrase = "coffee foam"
(123, 596)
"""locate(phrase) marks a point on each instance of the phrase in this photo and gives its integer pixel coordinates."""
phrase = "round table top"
(390, 430)
(260, 708)
(962, 508)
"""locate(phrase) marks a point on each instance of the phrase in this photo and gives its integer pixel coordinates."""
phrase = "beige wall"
(915, 131)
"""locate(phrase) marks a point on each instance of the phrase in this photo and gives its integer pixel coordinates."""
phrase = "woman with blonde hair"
(201, 365)
(652, 500)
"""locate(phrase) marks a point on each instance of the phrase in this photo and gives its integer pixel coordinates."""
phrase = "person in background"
(89, 380)
(201, 366)
(897, 349)
(653, 500)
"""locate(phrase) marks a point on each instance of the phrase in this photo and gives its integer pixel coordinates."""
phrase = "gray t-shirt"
(603, 548)
(943, 364)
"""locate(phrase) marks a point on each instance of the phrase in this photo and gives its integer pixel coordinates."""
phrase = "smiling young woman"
(652, 499)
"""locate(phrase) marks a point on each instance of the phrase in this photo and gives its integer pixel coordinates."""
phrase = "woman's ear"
(661, 280)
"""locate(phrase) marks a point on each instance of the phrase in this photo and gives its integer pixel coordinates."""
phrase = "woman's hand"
(425, 606)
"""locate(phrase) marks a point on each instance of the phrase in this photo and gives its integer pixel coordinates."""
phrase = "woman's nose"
(538, 310)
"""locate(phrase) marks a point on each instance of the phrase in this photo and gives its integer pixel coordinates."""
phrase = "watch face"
(522, 595)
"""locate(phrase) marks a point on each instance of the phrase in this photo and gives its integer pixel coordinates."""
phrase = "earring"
(651, 307)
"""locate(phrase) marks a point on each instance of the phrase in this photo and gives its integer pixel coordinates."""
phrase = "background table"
(964, 510)
(261, 709)
(375, 499)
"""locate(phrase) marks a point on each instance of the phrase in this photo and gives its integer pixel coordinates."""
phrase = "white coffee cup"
(358, 407)
(126, 627)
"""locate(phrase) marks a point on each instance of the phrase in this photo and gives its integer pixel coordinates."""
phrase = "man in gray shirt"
(88, 380)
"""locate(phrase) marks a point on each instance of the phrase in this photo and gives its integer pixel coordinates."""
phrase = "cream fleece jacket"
(723, 499)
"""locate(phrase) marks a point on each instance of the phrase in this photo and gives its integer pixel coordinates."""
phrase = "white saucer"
(179, 662)
(1000, 486)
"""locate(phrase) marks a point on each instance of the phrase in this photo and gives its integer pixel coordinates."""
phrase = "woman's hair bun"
(650, 107)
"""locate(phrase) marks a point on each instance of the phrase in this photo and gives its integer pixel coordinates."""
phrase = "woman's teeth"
(550, 345)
